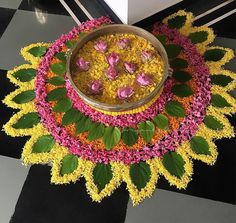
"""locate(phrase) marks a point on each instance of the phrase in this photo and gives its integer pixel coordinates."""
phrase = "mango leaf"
(102, 175)
(44, 144)
(24, 97)
(213, 123)
(96, 131)
(111, 137)
(56, 94)
(177, 22)
(140, 174)
(214, 54)
(63, 105)
(58, 68)
(221, 80)
(69, 164)
(25, 75)
(61, 56)
(173, 50)
(161, 121)
(27, 121)
(129, 136)
(71, 116)
(199, 145)
(174, 108)
(182, 90)
(38, 51)
(218, 101)
(70, 43)
(198, 37)
(181, 76)
(174, 163)
(162, 38)
(56, 81)
(83, 125)
(178, 63)
(146, 130)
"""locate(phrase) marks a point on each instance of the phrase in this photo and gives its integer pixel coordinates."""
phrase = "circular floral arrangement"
(117, 68)
(107, 148)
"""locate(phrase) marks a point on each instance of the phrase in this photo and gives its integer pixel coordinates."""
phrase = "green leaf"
(56, 94)
(174, 163)
(182, 90)
(177, 22)
(24, 97)
(146, 130)
(25, 75)
(70, 43)
(82, 34)
(221, 80)
(83, 125)
(96, 131)
(140, 174)
(173, 50)
(178, 63)
(61, 56)
(198, 37)
(161, 121)
(44, 144)
(38, 51)
(69, 164)
(218, 101)
(71, 116)
(63, 105)
(174, 108)
(214, 54)
(111, 137)
(129, 136)
(102, 175)
(199, 145)
(181, 76)
(213, 123)
(58, 68)
(162, 38)
(27, 121)
(56, 81)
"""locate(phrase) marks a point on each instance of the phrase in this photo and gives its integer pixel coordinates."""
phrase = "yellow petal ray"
(91, 186)
(29, 57)
(189, 20)
(173, 180)
(136, 195)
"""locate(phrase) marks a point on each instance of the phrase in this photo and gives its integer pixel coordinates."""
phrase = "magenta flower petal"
(113, 59)
(144, 79)
(111, 73)
(125, 92)
(101, 46)
(130, 67)
(83, 64)
(146, 55)
(123, 43)
(95, 87)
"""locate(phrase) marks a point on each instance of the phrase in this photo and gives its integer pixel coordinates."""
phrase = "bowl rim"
(114, 28)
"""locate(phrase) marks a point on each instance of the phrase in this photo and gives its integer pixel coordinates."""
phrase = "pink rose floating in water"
(111, 73)
(113, 59)
(125, 92)
(130, 67)
(146, 55)
(123, 43)
(100, 46)
(144, 79)
(83, 64)
(95, 87)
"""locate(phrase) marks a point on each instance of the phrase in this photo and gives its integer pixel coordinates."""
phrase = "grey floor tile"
(171, 207)
(25, 28)
(12, 4)
(12, 175)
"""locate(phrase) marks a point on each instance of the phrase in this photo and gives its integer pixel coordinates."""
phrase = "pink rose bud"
(83, 64)
(111, 73)
(95, 87)
(113, 59)
(101, 46)
(146, 55)
(130, 67)
(144, 79)
(123, 43)
(125, 92)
